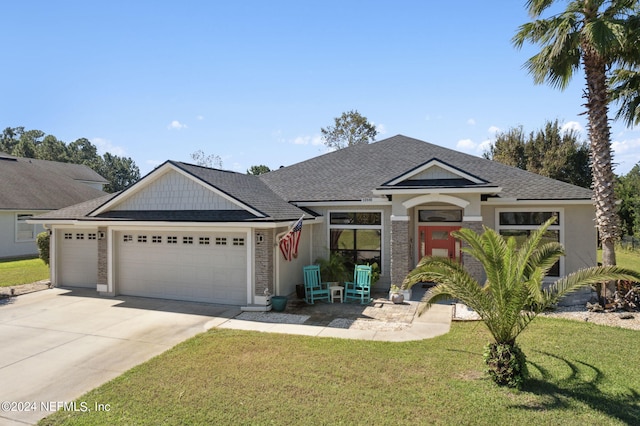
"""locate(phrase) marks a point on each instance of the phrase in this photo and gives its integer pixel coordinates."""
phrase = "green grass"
(22, 271)
(582, 374)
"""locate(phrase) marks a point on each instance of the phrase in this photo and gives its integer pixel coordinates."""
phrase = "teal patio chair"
(360, 288)
(314, 288)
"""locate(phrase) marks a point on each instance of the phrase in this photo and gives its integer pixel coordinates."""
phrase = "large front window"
(357, 236)
(520, 223)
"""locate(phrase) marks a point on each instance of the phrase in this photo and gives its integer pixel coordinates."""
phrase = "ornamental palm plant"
(513, 294)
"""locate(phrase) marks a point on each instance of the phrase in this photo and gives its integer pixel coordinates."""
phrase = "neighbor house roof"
(29, 184)
(351, 174)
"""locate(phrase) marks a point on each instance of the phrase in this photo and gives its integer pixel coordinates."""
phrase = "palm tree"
(513, 293)
(597, 34)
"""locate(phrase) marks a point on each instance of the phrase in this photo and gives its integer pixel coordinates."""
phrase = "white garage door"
(77, 253)
(201, 267)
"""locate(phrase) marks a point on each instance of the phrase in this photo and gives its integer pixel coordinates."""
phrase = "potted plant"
(334, 269)
(396, 295)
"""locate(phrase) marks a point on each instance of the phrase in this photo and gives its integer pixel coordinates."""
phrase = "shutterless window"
(156, 239)
(127, 238)
(142, 238)
(172, 240)
(187, 240)
(80, 236)
(238, 241)
(25, 231)
(520, 225)
(203, 241)
(221, 241)
(440, 215)
(92, 236)
(357, 236)
(68, 236)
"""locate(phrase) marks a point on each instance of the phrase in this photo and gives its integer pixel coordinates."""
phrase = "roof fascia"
(365, 201)
(433, 163)
(127, 225)
(511, 201)
(483, 190)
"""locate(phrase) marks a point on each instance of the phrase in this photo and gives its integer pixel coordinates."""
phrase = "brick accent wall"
(264, 260)
(102, 256)
(400, 251)
(473, 266)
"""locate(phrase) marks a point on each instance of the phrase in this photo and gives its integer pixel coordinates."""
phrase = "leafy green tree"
(351, 128)
(597, 35)
(628, 192)
(512, 295)
(52, 149)
(549, 152)
(121, 172)
(258, 170)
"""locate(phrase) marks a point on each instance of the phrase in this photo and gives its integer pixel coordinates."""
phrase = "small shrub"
(43, 241)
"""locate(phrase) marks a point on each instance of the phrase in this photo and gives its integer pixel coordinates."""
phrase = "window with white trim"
(68, 236)
(203, 241)
(92, 236)
(25, 231)
(127, 238)
(238, 241)
(519, 223)
(357, 236)
(156, 239)
(187, 240)
(172, 240)
(142, 238)
(80, 236)
(221, 241)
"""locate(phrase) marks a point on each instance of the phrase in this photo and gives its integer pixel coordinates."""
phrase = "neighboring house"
(30, 187)
(193, 233)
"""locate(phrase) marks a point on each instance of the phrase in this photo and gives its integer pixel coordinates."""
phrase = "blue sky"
(254, 81)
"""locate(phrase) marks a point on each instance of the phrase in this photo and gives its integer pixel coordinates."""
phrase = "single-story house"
(31, 187)
(194, 233)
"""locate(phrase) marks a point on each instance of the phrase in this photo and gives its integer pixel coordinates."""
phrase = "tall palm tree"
(597, 35)
(513, 293)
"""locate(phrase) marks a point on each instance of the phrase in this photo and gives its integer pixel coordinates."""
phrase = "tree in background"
(119, 171)
(211, 161)
(597, 35)
(258, 170)
(628, 192)
(351, 128)
(549, 152)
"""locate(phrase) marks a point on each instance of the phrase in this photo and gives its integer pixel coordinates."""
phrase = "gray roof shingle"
(352, 173)
(29, 184)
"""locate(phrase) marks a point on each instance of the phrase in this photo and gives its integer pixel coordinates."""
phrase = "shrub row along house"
(193, 233)
(30, 187)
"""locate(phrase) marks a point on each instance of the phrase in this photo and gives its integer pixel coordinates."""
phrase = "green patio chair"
(360, 288)
(314, 288)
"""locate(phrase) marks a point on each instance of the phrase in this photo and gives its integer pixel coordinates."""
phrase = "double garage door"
(192, 266)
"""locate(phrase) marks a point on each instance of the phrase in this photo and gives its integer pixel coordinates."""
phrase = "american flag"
(289, 243)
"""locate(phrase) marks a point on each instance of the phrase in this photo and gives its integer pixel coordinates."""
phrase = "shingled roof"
(351, 174)
(29, 184)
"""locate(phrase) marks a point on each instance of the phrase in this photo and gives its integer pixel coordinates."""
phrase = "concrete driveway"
(58, 344)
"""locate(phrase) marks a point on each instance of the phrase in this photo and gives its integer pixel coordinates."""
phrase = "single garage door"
(77, 253)
(201, 267)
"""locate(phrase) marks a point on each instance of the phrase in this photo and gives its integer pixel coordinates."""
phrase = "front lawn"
(22, 271)
(582, 374)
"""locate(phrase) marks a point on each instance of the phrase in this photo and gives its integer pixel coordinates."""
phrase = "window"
(156, 239)
(127, 238)
(68, 236)
(238, 241)
(187, 240)
(172, 240)
(203, 241)
(92, 236)
(25, 231)
(357, 236)
(520, 223)
(440, 215)
(142, 238)
(221, 241)
(79, 236)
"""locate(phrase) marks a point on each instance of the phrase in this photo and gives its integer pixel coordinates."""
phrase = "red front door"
(437, 241)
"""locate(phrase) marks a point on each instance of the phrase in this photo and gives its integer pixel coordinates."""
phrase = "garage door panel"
(172, 269)
(77, 257)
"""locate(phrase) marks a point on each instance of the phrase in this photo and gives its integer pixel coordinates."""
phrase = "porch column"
(264, 246)
(400, 249)
(472, 265)
(103, 262)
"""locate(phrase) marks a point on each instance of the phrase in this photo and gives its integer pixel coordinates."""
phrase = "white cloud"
(308, 140)
(466, 145)
(380, 128)
(485, 145)
(572, 125)
(105, 145)
(494, 129)
(176, 125)
(471, 122)
(626, 154)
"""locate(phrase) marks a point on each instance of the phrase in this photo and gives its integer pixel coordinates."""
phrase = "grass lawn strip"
(22, 271)
(582, 374)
